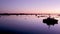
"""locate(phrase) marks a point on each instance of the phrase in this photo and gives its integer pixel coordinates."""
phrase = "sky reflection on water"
(29, 24)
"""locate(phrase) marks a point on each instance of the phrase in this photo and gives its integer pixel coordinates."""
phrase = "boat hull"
(50, 21)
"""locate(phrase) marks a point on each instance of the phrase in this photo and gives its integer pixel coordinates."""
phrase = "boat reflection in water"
(50, 21)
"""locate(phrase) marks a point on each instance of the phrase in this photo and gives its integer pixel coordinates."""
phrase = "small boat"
(50, 21)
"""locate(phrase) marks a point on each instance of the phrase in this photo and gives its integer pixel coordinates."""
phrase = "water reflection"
(49, 21)
(28, 24)
(0, 16)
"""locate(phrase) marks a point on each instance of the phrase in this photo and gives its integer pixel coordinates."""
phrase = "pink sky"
(30, 6)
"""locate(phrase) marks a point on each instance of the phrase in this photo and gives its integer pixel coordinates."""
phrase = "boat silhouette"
(50, 21)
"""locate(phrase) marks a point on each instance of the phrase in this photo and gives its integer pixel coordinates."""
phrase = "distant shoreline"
(28, 14)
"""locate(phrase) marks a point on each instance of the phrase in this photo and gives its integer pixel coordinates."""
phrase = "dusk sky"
(30, 6)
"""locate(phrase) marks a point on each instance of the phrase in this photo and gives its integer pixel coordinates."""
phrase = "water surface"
(27, 24)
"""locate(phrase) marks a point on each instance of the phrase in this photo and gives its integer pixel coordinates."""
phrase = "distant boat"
(41, 16)
(50, 21)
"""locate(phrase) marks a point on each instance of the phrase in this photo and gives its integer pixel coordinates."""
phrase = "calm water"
(27, 24)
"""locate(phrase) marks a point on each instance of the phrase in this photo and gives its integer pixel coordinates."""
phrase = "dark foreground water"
(27, 24)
